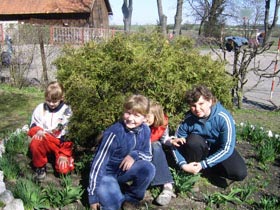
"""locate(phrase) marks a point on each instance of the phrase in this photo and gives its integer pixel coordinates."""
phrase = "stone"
(16, 204)
(6, 197)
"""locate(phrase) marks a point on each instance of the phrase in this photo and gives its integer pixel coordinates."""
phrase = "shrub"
(98, 77)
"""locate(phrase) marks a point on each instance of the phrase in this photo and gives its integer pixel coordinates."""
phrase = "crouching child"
(48, 132)
(121, 169)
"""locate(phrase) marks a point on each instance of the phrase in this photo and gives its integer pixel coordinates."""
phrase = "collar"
(46, 107)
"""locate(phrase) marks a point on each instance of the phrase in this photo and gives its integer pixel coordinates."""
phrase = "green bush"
(98, 76)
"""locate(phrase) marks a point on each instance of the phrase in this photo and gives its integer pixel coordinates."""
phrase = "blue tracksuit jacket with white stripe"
(118, 142)
(218, 130)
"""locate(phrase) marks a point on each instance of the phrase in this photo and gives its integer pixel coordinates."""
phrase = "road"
(260, 95)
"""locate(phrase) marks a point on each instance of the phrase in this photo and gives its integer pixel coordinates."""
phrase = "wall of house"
(99, 17)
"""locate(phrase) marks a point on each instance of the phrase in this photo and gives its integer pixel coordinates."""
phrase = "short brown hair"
(137, 103)
(54, 91)
(192, 96)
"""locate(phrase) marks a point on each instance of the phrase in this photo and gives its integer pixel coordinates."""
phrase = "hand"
(193, 167)
(126, 163)
(95, 206)
(40, 135)
(63, 162)
(178, 141)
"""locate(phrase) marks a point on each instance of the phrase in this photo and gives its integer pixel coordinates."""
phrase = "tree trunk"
(212, 26)
(178, 18)
(268, 28)
(162, 18)
(127, 14)
(43, 57)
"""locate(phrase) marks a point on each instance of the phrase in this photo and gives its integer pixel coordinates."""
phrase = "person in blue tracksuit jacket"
(206, 138)
(121, 169)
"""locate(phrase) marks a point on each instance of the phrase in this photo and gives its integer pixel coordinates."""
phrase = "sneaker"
(40, 173)
(165, 197)
(130, 206)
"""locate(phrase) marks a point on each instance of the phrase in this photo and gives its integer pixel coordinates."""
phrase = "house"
(72, 13)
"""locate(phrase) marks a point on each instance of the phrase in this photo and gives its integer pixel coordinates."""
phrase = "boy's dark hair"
(192, 96)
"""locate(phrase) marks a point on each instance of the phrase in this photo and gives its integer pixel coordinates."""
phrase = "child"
(206, 138)
(121, 170)
(158, 123)
(48, 128)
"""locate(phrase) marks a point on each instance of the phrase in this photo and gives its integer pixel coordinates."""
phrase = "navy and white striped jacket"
(218, 130)
(118, 142)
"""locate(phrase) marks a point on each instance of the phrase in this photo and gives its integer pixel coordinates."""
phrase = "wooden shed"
(72, 13)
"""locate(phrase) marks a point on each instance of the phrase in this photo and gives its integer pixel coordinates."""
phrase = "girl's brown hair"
(157, 110)
(137, 103)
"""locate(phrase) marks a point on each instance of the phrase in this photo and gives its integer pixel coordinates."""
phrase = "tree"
(178, 18)
(200, 11)
(43, 56)
(162, 18)
(268, 28)
(213, 25)
(127, 14)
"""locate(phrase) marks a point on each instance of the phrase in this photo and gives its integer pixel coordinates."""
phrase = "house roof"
(12, 7)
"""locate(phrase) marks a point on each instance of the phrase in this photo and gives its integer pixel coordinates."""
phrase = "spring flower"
(270, 134)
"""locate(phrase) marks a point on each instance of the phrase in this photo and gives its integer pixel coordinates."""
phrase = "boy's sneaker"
(40, 173)
(129, 206)
(165, 197)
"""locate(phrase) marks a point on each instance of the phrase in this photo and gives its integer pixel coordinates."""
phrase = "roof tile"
(9, 7)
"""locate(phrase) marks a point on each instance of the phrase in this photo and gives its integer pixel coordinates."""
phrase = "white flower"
(242, 124)
(252, 126)
(270, 134)
(276, 136)
(25, 128)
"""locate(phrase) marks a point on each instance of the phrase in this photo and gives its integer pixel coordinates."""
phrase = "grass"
(17, 106)
(269, 120)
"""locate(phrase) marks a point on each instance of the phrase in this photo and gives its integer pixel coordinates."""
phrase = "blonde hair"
(157, 110)
(137, 103)
(54, 91)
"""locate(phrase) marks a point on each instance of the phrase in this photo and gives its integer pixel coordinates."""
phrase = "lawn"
(16, 106)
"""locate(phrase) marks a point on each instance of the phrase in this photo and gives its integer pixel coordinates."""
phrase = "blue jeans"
(114, 190)
(163, 174)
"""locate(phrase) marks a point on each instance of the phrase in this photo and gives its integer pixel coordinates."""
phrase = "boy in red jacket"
(48, 129)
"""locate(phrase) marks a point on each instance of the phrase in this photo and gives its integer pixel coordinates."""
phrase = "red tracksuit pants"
(50, 145)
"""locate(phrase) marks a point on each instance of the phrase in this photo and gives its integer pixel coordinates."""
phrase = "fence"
(77, 35)
(66, 35)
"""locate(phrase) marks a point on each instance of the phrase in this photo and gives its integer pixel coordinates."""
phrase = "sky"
(144, 12)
